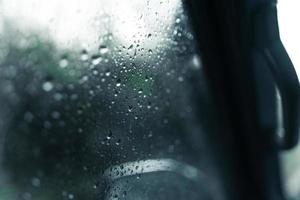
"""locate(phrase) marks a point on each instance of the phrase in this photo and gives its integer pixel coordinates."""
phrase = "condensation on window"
(89, 86)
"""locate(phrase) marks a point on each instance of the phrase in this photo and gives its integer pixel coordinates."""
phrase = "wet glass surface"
(89, 85)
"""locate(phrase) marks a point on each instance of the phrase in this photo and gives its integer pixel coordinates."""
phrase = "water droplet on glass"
(196, 62)
(71, 196)
(150, 135)
(74, 97)
(96, 60)
(130, 108)
(27, 196)
(84, 55)
(149, 105)
(28, 117)
(57, 96)
(109, 135)
(130, 47)
(95, 72)
(107, 73)
(180, 79)
(36, 182)
(63, 63)
(96, 185)
(83, 79)
(64, 193)
(55, 115)
(124, 194)
(118, 142)
(118, 83)
(47, 124)
(103, 49)
(48, 86)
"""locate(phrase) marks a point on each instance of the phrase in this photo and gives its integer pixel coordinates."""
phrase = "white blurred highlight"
(83, 22)
(289, 16)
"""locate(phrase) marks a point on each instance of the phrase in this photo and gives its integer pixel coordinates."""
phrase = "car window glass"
(100, 99)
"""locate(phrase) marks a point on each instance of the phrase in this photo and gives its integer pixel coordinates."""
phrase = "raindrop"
(92, 93)
(118, 142)
(130, 47)
(71, 196)
(196, 62)
(28, 117)
(79, 112)
(55, 115)
(64, 193)
(107, 73)
(171, 148)
(57, 96)
(96, 59)
(109, 135)
(36, 182)
(63, 63)
(84, 55)
(130, 109)
(95, 72)
(149, 105)
(118, 83)
(96, 185)
(175, 32)
(150, 135)
(103, 49)
(180, 79)
(74, 97)
(27, 196)
(48, 86)
(47, 124)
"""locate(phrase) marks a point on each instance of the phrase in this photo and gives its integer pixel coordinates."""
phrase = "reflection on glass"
(288, 13)
(150, 166)
(154, 179)
(87, 85)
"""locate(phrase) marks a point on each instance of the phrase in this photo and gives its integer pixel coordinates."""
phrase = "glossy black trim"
(245, 148)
